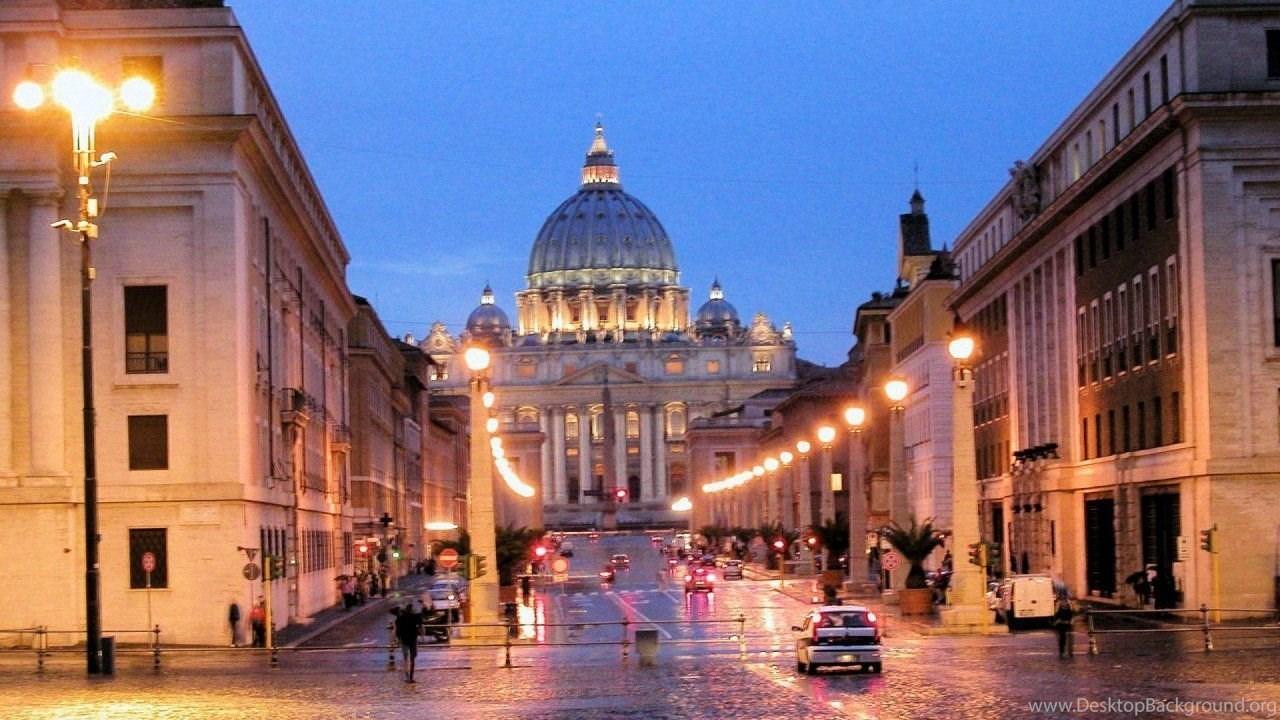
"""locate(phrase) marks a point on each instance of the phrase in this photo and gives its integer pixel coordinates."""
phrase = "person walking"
(233, 617)
(408, 626)
(258, 622)
(1062, 618)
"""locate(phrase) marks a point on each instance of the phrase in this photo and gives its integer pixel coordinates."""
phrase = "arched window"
(677, 479)
(633, 425)
(571, 426)
(675, 420)
(527, 416)
(597, 424)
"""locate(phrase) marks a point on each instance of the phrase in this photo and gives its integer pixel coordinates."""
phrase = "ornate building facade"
(604, 369)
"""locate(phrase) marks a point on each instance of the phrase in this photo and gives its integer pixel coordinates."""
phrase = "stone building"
(220, 310)
(603, 370)
(1124, 284)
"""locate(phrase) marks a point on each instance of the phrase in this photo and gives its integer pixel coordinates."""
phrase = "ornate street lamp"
(967, 580)
(827, 499)
(854, 418)
(88, 103)
(804, 486)
(481, 522)
(896, 390)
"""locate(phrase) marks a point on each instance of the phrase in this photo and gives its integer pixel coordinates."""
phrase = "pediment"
(595, 375)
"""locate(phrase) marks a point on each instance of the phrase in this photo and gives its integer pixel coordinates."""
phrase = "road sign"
(251, 572)
(560, 566)
(890, 561)
(148, 562)
(448, 558)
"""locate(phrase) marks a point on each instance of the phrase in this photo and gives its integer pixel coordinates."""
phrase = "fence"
(503, 635)
(1203, 624)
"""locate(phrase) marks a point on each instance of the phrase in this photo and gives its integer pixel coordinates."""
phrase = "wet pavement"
(700, 671)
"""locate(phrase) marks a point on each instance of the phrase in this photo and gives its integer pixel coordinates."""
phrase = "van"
(1025, 599)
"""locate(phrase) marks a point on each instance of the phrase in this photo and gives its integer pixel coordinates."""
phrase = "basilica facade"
(599, 377)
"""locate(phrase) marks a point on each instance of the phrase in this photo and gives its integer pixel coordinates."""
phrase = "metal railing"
(1186, 621)
(505, 635)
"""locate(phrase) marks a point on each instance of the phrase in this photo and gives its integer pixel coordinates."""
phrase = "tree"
(743, 535)
(514, 546)
(915, 543)
(834, 536)
(462, 544)
(713, 534)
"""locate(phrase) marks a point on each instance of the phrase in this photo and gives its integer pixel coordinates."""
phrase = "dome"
(488, 319)
(601, 235)
(716, 313)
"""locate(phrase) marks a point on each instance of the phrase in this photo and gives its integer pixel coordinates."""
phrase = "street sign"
(448, 558)
(148, 562)
(559, 566)
(890, 561)
(251, 572)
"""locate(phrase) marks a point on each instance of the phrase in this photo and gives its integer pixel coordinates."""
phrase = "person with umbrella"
(408, 625)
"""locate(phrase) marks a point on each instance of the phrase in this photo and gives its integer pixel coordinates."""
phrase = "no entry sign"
(890, 561)
(448, 558)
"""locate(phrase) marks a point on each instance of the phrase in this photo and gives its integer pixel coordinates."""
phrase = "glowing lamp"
(28, 95)
(487, 399)
(854, 416)
(137, 94)
(803, 447)
(477, 359)
(896, 390)
(757, 470)
(826, 435)
(786, 457)
(770, 464)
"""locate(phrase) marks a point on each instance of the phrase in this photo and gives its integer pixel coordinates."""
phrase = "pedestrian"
(373, 586)
(431, 565)
(233, 616)
(258, 622)
(408, 624)
(382, 582)
(1062, 618)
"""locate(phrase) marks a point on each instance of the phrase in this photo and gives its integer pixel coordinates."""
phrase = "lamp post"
(788, 515)
(804, 487)
(88, 103)
(967, 578)
(483, 594)
(854, 418)
(771, 490)
(827, 499)
(896, 391)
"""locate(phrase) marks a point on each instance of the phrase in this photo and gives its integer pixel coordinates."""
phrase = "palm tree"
(462, 544)
(713, 534)
(915, 543)
(514, 545)
(834, 536)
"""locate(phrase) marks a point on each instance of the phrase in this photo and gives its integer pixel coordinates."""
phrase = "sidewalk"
(331, 617)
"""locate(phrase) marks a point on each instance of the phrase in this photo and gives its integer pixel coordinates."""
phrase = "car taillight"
(687, 578)
(871, 618)
(711, 577)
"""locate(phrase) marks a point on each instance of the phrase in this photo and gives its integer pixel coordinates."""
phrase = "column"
(788, 497)
(660, 464)
(620, 447)
(827, 501)
(44, 317)
(650, 489)
(584, 451)
(968, 579)
(550, 479)
(898, 503)
(804, 488)
(857, 511)
(771, 497)
(6, 342)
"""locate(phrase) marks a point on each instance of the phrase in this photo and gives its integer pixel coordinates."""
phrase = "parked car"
(566, 549)
(608, 574)
(620, 560)
(844, 635)
(1025, 599)
(732, 570)
(700, 579)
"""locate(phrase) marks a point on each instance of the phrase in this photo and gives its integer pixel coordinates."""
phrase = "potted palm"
(915, 543)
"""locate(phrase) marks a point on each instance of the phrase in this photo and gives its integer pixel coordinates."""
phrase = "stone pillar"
(827, 499)
(620, 447)
(6, 360)
(788, 518)
(968, 580)
(771, 497)
(650, 489)
(44, 350)
(899, 510)
(584, 451)
(660, 461)
(552, 476)
(804, 492)
(856, 483)
(480, 510)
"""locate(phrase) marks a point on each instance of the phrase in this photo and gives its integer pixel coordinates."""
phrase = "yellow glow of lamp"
(826, 435)
(477, 359)
(757, 471)
(961, 347)
(854, 416)
(896, 390)
(487, 399)
(28, 95)
(495, 442)
(491, 425)
(786, 457)
(771, 464)
(439, 525)
(76, 91)
(803, 447)
(684, 504)
(137, 94)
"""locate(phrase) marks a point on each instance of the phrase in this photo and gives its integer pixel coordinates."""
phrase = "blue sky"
(776, 141)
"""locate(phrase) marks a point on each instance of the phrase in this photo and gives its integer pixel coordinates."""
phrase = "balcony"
(294, 407)
(339, 436)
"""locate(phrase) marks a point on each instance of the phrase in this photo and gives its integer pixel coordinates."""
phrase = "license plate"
(848, 658)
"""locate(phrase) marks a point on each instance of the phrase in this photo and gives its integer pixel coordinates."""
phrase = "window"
(597, 425)
(1106, 237)
(527, 416)
(1142, 425)
(674, 365)
(148, 442)
(148, 67)
(1093, 249)
(1122, 329)
(1170, 195)
(1170, 286)
(713, 367)
(1153, 315)
(1115, 123)
(148, 540)
(1134, 214)
(1137, 321)
(1088, 148)
(724, 464)
(763, 363)
(1273, 53)
(1133, 112)
(675, 422)
(633, 424)
(1164, 79)
(1079, 255)
(1095, 335)
(1126, 429)
(1149, 203)
(1097, 435)
(1157, 422)
(1082, 348)
(1175, 417)
(1146, 94)
(1107, 329)
(1111, 432)
(146, 329)
(571, 426)
(1119, 227)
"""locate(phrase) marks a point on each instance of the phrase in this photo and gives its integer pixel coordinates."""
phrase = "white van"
(1024, 599)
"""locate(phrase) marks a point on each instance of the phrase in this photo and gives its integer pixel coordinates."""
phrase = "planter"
(916, 601)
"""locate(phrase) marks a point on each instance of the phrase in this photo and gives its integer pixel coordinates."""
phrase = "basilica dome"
(601, 235)
(717, 315)
(487, 320)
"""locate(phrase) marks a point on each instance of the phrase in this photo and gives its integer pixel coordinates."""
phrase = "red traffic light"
(812, 540)
(621, 494)
(779, 544)
(540, 551)
(363, 549)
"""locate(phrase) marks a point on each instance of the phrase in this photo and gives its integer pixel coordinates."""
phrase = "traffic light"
(539, 551)
(1209, 539)
(363, 549)
(993, 554)
(272, 567)
(395, 553)
(976, 554)
(620, 495)
(475, 566)
(779, 544)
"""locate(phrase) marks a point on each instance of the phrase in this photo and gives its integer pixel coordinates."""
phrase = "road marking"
(625, 606)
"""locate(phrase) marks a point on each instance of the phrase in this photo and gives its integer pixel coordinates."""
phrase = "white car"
(843, 635)
(443, 597)
(1024, 599)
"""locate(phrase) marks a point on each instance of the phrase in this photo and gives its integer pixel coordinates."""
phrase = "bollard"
(647, 646)
(1093, 639)
(391, 647)
(1204, 622)
(155, 648)
(275, 657)
(625, 639)
(742, 636)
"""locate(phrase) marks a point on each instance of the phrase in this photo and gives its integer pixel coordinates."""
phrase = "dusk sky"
(776, 142)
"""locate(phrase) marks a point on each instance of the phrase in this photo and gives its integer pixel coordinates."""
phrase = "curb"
(316, 629)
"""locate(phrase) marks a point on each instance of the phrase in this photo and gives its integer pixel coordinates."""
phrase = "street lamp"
(968, 578)
(854, 418)
(896, 390)
(771, 490)
(827, 499)
(88, 103)
(804, 486)
(483, 594)
(788, 513)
